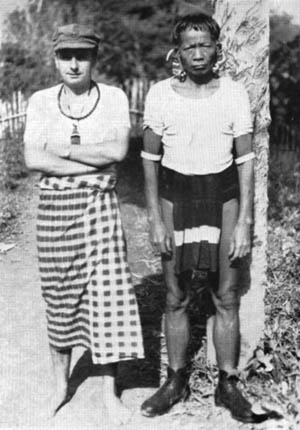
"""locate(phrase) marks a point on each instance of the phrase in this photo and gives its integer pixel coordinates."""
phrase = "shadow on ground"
(148, 373)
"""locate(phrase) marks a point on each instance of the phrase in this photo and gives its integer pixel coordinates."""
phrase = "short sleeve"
(242, 123)
(120, 109)
(152, 111)
(35, 128)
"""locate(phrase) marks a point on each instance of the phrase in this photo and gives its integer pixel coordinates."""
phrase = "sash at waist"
(101, 182)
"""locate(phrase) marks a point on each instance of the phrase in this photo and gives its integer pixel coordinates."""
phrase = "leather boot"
(229, 396)
(174, 389)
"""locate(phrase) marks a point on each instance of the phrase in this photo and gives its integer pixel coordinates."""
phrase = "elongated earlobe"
(170, 54)
(220, 59)
(177, 69)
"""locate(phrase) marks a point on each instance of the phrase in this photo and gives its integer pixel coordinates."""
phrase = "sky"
(7, 6)
(292, 7)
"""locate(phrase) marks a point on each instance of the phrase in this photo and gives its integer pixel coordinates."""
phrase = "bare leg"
(61, 367)
(118, 413)
(176, 323)
(226, 328)
(177, 334)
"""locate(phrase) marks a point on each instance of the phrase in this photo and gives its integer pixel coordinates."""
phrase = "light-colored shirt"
(198, 134)
(48, 128)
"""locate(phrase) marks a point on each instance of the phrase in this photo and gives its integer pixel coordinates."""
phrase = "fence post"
(12, 114)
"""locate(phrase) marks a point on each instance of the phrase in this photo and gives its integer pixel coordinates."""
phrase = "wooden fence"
(136, 90)
(12, 114)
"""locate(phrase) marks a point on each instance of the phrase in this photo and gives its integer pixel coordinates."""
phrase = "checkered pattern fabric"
(84, 272)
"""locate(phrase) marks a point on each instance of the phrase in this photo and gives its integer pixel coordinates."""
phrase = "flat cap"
(75, 36)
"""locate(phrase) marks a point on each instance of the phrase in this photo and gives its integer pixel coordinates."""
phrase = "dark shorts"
(221, 186)
(197, 214)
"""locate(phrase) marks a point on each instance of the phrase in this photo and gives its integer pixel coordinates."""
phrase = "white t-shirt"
(197, 134)
(48, 127)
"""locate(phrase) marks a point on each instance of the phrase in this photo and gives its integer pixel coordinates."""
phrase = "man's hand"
(161, 238)
(62, 150)
(240, 241)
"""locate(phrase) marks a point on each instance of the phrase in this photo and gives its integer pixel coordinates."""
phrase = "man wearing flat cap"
(75, 36)
(75, 134)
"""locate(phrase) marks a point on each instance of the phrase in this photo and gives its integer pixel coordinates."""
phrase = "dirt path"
(25, 364)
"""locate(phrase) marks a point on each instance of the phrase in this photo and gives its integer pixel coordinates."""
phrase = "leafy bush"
(135, 37)
(285, 82)
(13, 171)
(276, 364)
(13, 164)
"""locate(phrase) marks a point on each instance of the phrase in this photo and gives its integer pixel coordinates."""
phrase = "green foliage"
(8, 213)
(282, 30)
(277, 362)
(22, 71)
(13, 168)
(284, 78)
(26, 54)
(285, 81)
(12, 173)
(135, 40)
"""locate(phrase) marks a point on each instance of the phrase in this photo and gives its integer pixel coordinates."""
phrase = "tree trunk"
(245, 40)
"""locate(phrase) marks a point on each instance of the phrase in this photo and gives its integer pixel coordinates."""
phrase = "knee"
(177, 303)
(227, 301)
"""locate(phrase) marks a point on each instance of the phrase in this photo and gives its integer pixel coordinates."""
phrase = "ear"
(219, 52)
(56, 61)
(170, 54)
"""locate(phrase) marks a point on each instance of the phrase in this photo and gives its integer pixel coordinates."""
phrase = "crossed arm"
(76, 159)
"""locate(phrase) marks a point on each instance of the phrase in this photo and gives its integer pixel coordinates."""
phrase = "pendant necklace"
(75, 135)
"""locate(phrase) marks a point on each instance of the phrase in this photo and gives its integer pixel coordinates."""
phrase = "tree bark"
(245, 41)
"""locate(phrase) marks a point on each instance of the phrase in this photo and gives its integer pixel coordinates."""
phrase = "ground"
(25, 362)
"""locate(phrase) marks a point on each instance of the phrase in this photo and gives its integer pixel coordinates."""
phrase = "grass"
(279, 362)
(12, 176)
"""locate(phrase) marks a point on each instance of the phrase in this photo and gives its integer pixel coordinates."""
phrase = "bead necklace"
(75, 136)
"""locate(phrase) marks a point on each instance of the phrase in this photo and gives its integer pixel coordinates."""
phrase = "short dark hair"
(197, 22)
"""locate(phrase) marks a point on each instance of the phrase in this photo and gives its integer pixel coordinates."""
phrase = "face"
(197, 52)
(75, 67)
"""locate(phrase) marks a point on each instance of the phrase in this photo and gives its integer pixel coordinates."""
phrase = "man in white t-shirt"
(199, 202)
(75, 134)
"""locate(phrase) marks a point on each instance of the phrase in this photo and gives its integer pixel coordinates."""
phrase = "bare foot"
(53, 403)
(117, 412)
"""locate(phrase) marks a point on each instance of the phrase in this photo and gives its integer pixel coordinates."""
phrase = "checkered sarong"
(85, 277)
